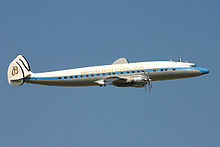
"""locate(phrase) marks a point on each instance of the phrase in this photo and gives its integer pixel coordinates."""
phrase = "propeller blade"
(145, 87)
(149, 87)
(145, 81)
(150, 82)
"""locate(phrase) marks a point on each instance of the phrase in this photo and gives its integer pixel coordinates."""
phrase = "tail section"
(18, 69)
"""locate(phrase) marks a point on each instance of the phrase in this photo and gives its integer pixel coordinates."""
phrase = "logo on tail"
(14, 70)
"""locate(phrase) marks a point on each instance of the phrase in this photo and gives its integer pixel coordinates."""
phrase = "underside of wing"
(111, 81)
(123, 81)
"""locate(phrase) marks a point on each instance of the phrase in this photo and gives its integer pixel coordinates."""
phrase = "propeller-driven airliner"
(120, 73)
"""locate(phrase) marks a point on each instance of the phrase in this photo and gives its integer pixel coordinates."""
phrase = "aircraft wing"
(122, 81)
(111, 80)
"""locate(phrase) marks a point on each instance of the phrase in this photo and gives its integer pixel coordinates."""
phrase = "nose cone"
(203, 70)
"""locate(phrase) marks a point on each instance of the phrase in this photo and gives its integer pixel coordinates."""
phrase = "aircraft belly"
(64, 82)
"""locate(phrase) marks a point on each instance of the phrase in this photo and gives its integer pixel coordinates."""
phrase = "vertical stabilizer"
(18, 69)
(121, 61)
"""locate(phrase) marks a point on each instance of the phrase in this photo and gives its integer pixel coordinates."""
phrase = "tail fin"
(18, 69)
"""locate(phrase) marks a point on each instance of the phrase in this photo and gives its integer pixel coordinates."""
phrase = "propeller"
(147, 81)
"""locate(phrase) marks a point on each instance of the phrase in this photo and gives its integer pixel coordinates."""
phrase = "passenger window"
(65, 77)
(161, 69)
(92, 75)
(59, 77)
(174, 69)
(75, 76)
(87, 75)
(154, 70)
(166, 69)
(121, 72)
(71, 76)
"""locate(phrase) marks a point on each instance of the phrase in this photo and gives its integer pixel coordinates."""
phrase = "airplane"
(120, 73)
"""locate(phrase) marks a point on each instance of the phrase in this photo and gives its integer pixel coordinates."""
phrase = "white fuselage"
(90, 76)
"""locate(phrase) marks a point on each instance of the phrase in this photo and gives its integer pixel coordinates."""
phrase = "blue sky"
(55, 35)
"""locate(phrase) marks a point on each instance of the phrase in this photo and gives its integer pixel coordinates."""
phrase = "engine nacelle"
(137, 81)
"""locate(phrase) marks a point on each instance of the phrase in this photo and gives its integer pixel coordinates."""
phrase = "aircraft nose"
(204, 70)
